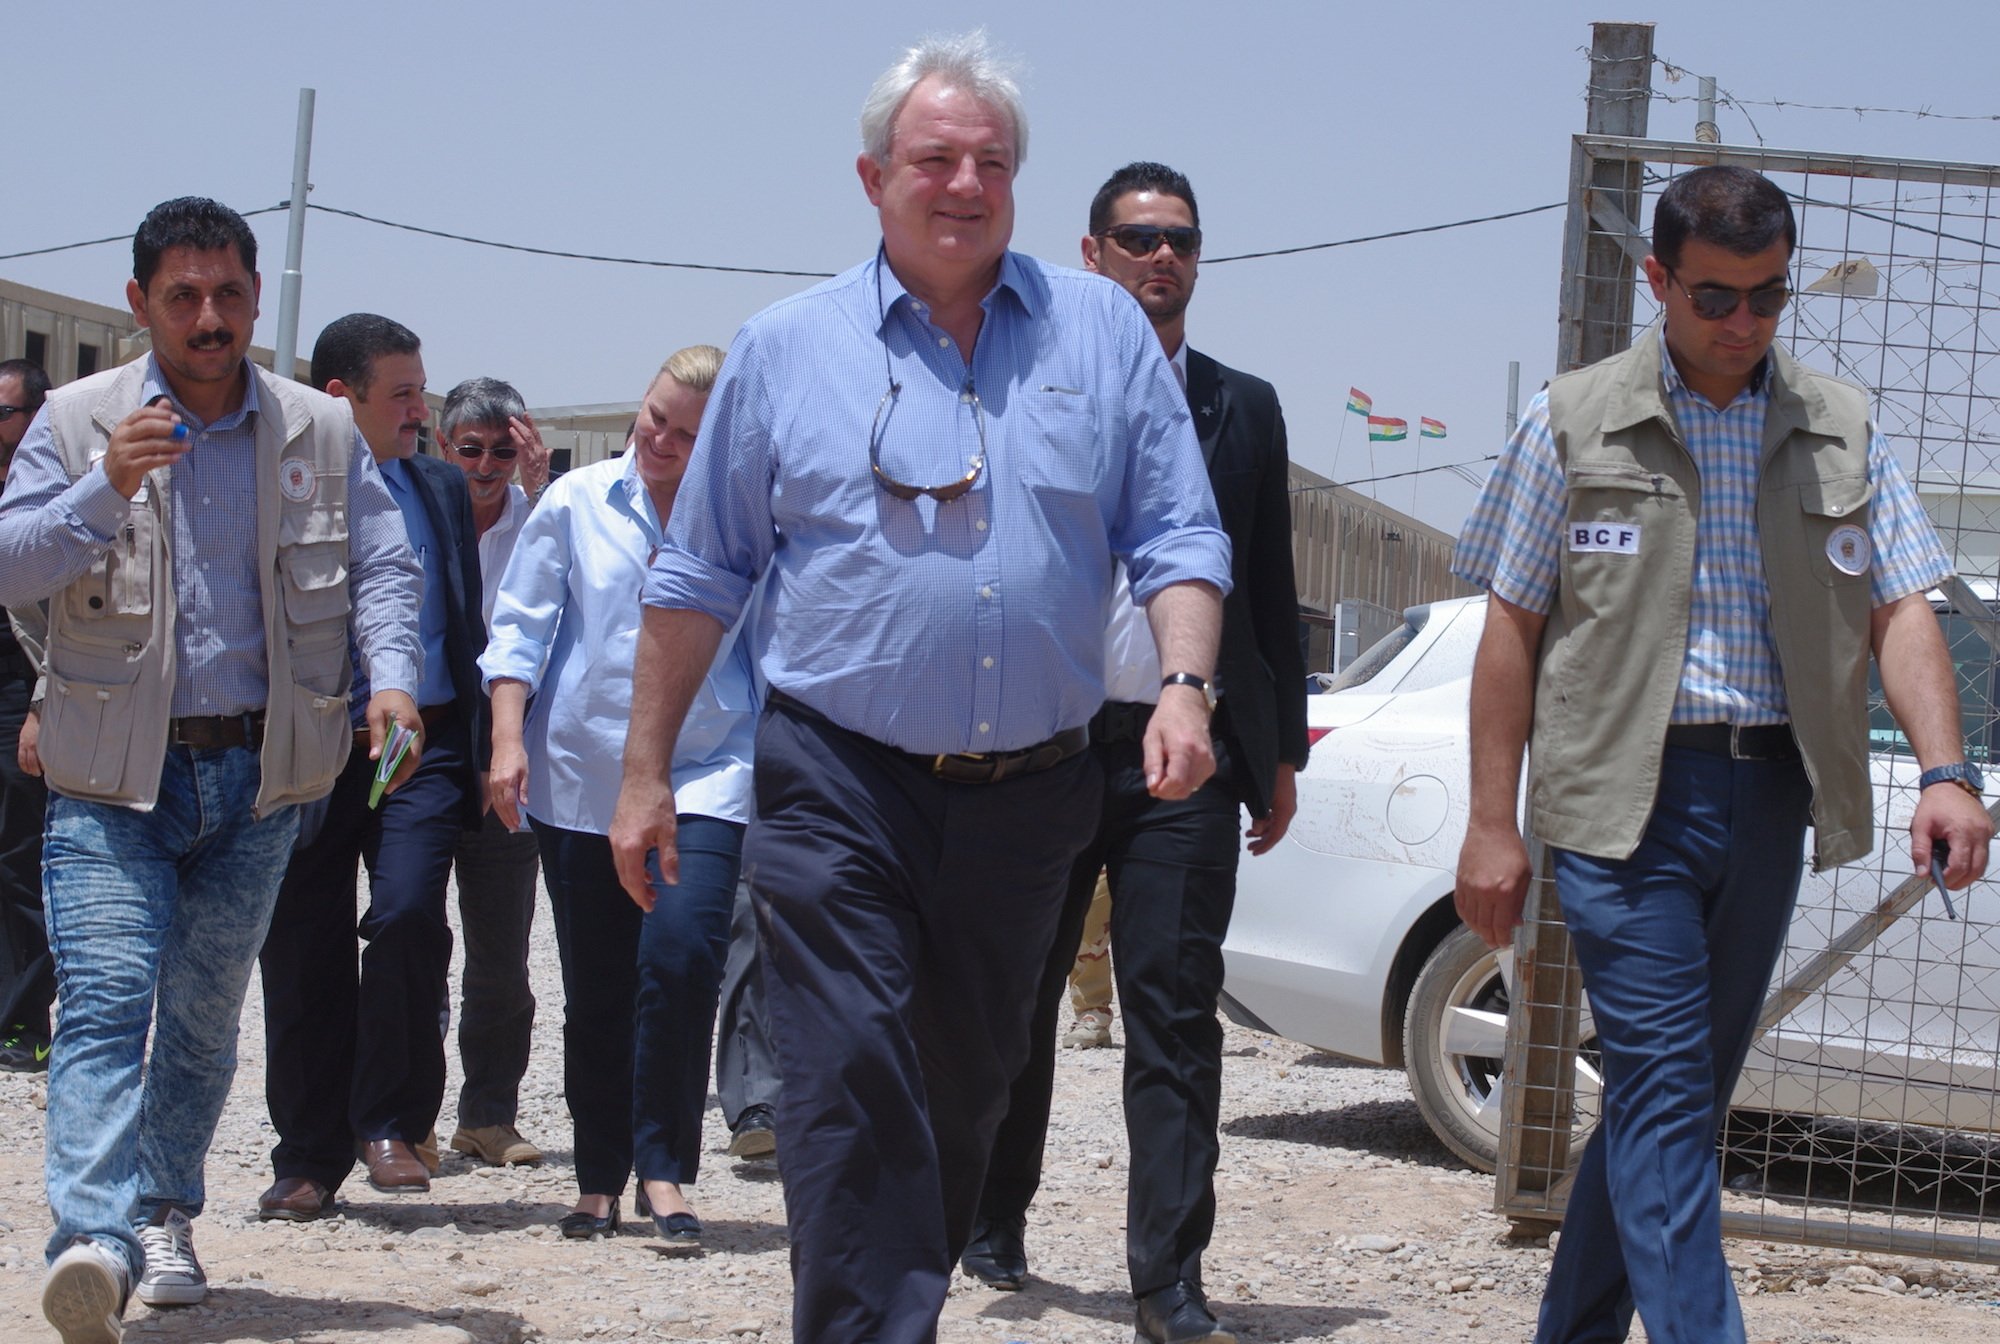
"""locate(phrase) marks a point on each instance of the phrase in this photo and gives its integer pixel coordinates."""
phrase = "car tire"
(1457, 1009)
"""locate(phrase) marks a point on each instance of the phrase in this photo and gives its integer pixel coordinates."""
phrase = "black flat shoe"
(1178, 1314)
(579, 1226)
(679, 1230)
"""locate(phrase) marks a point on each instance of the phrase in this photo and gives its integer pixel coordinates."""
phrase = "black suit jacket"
(448, 505)
(1259, 667)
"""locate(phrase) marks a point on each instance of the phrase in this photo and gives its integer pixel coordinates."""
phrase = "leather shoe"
(755, 1134)
(394, 1167)
(295, 1199)
(580, 1226)
(996, 1255)
(1179, 1315)
(496, 1146)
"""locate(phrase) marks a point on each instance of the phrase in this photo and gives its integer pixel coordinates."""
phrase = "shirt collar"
(1179, 360)
(1015, 279)
(155, 385)
(1670, 375)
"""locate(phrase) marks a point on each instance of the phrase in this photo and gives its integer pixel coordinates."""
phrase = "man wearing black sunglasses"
(1691, 549)
(1173, 861)
(929, 461)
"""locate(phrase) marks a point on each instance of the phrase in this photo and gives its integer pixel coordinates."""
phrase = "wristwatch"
(1962, 773)
(1190, 679)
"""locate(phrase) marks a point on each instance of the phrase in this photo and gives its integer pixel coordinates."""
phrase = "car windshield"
(1381, 653)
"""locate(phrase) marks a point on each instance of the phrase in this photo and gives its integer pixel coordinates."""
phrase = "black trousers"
(354, 1040)
(1173, 883)
(27, 972)
(905, 922)
(746, 1062)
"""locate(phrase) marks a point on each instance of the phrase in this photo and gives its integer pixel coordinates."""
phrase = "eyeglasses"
(472, 452)
(9, 412)
(1712, 303)
(943, 494)
(1140, 240)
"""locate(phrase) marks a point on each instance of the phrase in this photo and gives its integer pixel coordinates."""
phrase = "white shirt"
(566, 622)
(498, 545)
(1131, 659)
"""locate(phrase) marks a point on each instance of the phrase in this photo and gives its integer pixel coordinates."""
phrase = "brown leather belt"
(215, 731)
(1757, 742)
(967, 767)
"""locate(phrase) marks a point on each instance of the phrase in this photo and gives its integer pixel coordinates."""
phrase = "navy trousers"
(1173, 885)
(1677, 945)
(354, 1041)
(639, 999)
(905, 923)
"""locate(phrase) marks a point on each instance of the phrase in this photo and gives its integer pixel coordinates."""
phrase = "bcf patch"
(1605, 538)
(296, 480)
(1849, 549)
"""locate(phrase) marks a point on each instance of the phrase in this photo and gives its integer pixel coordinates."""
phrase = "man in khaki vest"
(205, 537)
(1690, 550)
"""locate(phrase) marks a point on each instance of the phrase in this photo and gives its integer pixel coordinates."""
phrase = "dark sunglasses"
(1712, 303)
(9, 412)
(472, 451)
(943, 494)
(1141, 240)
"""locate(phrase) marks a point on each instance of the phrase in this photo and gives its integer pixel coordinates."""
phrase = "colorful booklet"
(397, 747)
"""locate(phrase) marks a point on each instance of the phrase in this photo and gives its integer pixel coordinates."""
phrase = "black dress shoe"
(1178, 1315)
(996, 1255)
(755, 1134)
(580, 1226)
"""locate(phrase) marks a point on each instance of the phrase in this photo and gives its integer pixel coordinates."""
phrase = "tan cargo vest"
(108, 674)
(1616, 635)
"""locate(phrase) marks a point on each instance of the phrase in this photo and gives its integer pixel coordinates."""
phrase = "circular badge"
(295, 479)
(1848, 549)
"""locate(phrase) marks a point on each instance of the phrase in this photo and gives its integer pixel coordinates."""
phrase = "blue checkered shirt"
(1511, 545)
(976, 625)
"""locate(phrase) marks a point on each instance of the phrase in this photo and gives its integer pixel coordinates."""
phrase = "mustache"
(212, 340)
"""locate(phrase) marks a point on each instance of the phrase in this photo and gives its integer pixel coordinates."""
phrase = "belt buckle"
(1735, 742)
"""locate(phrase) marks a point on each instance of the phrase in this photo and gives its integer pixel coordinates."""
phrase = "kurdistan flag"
(1359, 402)
(1387, 429)
(1430, 429)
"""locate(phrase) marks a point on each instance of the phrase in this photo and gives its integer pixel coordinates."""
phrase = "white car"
(1344, 937)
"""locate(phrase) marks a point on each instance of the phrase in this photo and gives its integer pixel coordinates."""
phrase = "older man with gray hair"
(486, 429)
(933, 634)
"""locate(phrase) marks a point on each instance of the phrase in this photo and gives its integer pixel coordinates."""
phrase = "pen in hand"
(1940, 854)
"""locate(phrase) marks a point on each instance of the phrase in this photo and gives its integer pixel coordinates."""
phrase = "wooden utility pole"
(1621, 91)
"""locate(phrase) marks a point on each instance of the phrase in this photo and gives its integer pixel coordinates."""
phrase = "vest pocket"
(1834, 515)
(321, 738)
(119, 583)
(87, 723)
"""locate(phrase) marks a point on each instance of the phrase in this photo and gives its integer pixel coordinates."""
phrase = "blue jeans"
(639, 993)
(174, 903)
(1677, 945)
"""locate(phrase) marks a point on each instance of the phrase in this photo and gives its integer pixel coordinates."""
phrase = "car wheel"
(1455, 1044)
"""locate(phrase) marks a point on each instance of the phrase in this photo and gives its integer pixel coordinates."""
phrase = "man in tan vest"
(206, 538)
(1690, 550)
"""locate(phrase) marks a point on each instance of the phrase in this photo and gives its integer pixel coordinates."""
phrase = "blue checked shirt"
(1512, 541)
(976, 625)
(219, 663)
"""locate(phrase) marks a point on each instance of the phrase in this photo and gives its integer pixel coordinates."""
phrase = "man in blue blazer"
(355, 1046)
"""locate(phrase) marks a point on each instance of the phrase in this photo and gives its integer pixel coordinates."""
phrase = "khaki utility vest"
(109, 653)
(1615, 639)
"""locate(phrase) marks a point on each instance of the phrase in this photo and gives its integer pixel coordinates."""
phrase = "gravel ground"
(1340, 1219)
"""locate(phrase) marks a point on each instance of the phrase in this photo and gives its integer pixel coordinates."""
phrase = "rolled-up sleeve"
(1166, 530)
(527, 611)
(1511, 541)
(51, 528)
(720, 536)
(383, 580)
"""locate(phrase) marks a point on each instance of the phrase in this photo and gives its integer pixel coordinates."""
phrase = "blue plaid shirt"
(1511, 545)
(976, 625)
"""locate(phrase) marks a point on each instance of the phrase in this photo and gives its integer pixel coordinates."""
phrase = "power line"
(762, 270)
(1392, 476)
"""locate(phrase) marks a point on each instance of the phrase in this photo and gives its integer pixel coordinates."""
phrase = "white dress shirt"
(1131, 659)
(496, 547)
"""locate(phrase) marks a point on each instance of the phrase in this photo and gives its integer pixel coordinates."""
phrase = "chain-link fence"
(1867, 1116)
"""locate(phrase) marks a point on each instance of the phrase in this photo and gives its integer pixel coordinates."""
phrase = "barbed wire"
(1676, 73)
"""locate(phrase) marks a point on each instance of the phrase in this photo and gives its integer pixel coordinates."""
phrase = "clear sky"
(725, 133)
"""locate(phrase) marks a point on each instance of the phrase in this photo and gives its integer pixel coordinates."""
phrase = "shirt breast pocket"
(1060, 453)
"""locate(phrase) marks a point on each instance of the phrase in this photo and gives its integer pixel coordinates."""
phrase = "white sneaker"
(84, 1294)
(172, 1276)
